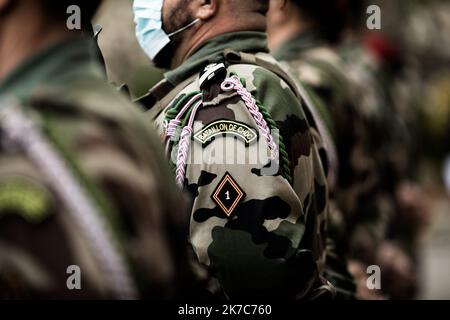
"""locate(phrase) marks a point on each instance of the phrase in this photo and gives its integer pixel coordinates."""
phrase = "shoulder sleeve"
(119, 168)
(126, 165)
(248, 220)
(36, 248)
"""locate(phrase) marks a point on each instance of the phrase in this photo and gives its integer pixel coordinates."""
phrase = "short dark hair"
(58, 9)
(328, 14)
(355, 13)
(263, 6)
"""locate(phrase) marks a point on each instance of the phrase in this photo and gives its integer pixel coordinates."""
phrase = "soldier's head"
(355, 13)
(170, 30)
(288, 18)
(54, 13)
(61, 10)
(27, 26)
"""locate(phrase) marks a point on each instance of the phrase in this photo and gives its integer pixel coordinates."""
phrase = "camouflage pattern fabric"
(319, 67)
(260, 232)
(386, 132)
(385, 234)
(409, 78)
(83, 182)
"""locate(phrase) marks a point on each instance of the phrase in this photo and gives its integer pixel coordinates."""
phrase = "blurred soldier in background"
(425, 84)
(359, 84)
(428, 50)
(259, 226)
(389, 97)
(84, 191)
(126, 62)
(303, 35)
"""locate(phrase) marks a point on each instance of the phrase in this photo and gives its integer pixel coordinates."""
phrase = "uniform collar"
(211, 51)
(300, 43)
(49, 68)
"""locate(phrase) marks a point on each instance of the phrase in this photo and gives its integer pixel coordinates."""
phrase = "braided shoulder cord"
(176, 116)
(185, 141)
(264, 122)
(284, 157)
(70, 187)
(234, 83)
(285, 163)
(175, 110)
(185, 117)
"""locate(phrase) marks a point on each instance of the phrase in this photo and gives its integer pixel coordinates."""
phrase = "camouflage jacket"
(321, 69)
(84, 190)
(374, 86)
(384, 144)
(253, 166)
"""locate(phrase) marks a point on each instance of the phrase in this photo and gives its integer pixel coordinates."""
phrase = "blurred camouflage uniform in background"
(370, 229)
(426, 43)
(311, 56)
(429, 72)
(420, 93)
(83, 183)
(125, 61)
(270, 243)
(374, 121)
(388, 89)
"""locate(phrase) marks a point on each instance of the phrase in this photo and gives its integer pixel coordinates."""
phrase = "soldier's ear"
(277, 12)
(207, 9)
(280, 4)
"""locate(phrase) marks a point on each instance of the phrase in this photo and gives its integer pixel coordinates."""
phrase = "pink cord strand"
(183, 149)
(173, 124)
(233, 83)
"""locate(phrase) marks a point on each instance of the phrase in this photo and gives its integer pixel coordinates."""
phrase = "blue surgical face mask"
(149, 29)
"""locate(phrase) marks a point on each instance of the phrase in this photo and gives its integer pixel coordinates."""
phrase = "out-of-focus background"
(420, 31)
(125, 61)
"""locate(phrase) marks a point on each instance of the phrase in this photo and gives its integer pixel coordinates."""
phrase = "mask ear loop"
(184, 28)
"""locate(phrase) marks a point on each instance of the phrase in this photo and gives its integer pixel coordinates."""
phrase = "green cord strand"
(285, 163)
(173, 112)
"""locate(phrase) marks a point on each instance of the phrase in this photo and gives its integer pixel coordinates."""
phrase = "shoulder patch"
(223, 128)
(228, 194)
(23, 198)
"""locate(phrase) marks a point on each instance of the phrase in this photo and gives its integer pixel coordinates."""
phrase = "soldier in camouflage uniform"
(418, 89)
(365, 128)
(388, 147)
(82, 180)
(303, 34)
(376, 68)
(244, 147)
